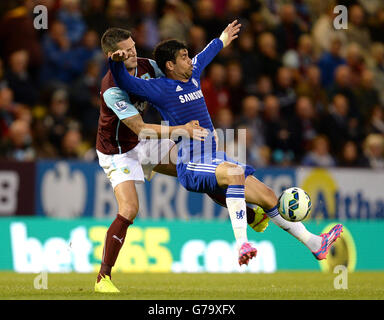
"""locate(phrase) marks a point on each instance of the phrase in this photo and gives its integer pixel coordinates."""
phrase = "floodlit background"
(310, 95)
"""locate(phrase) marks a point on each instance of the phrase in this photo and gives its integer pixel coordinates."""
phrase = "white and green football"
(294, 204)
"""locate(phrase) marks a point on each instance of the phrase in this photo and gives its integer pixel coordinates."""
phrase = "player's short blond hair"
(112, 37)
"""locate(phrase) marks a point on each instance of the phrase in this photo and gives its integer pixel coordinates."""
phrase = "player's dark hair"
(167, 50)
(112, 37)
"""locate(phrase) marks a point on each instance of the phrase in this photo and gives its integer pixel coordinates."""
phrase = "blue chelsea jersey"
(178, 102)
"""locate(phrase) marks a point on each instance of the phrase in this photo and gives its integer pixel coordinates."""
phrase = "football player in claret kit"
(201, 168)
(127, 160)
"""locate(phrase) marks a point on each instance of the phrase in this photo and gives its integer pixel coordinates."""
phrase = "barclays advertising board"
(72, 189)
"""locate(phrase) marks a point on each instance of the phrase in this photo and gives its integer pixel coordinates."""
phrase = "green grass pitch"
(204, 286)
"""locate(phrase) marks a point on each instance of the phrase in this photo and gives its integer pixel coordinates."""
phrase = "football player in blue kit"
(200, 167)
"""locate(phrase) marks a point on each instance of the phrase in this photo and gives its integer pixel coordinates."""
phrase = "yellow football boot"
(261, 221)
(105, 285)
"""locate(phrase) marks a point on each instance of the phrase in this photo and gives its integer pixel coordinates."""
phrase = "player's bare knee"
(231, 174)
(270, 198)
(129, 212)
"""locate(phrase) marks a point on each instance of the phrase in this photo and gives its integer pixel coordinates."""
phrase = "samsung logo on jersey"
(190, 96)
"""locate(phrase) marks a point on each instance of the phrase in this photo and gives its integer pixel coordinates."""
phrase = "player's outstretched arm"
(148, 89)
(202, 59)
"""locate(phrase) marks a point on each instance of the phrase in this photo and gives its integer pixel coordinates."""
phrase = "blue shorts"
(200, 177)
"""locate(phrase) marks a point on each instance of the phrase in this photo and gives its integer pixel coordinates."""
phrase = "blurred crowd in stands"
(307, 94)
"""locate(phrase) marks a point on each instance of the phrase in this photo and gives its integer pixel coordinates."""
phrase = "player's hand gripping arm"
(148, 89)
(143, 130)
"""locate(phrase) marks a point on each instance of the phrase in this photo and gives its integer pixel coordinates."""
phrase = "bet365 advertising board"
(76, 245)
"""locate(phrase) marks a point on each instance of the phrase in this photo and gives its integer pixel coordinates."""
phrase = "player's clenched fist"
(119, 55)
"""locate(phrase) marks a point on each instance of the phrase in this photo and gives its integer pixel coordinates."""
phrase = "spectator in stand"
(268, 58)
(329, 61)
(41, 144)
(357, 31)
(355, 60)
(118, 14)
(71, 16)
(310, 86)
(342, 85)
(284, 91)
(89, 50)
(337, 125)
(376, 64)
(258, 23)
(19, 79)
(251, 119)
(85, 98)
(214, 89)
(320, 155)
(263, 88)
(235, 9)
(57, 119)
(205, 18)
(72, 144)
(197, 40)
(324, 33)
(236, 86)
(18, 145)
(8, 108)
(248, 151)
(94, 16)
(302, 58)
(276, 132)
(17, 33)
(148, 18)
(367, 96)
(176, 20)
(350, 156)
(288, 31)
(139, 33)
(60, 60)
(224, 120)
(374, 150)
(376, 25)
(376, 120)
(248, 58)
(303, 127)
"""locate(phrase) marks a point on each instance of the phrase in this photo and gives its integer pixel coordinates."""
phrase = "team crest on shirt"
(125, 170)
(121, 105)
(145, 76)
(195, 82)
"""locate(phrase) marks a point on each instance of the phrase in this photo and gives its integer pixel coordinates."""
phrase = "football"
(294, 204)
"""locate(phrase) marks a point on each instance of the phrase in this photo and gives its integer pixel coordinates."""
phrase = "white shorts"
(137, 163)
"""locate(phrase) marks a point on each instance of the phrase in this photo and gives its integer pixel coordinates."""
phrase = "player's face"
(183, 64)
(129, 46)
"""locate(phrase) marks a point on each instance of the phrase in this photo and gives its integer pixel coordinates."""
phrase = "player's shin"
(237, 212)
(221, 200)
(114, 240)
(296, 229)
